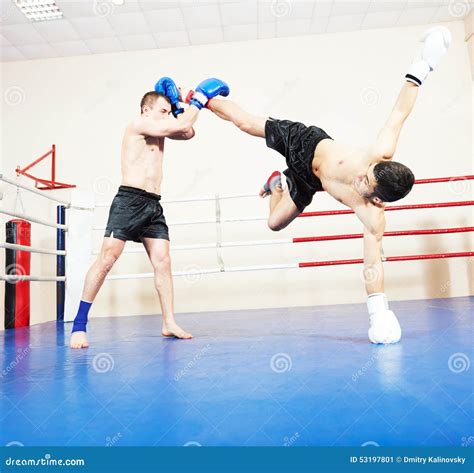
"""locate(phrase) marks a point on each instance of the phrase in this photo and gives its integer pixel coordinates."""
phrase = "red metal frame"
(47, 184)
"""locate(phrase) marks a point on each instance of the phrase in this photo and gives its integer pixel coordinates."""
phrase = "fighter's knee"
(161, 262)
(274, 225)
(108, 257)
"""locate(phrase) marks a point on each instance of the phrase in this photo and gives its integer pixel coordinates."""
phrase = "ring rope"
(35, 191)
(321, 213)
(309, 264)
(14, 278)
(239, 196)
(283, 241)
(32, 249)
(34, 219)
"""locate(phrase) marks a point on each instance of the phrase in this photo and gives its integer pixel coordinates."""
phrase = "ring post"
(60, 262)
(80, 219)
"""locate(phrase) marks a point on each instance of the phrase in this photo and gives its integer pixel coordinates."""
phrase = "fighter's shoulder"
(134, 127)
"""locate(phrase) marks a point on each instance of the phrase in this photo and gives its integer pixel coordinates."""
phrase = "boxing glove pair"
(206, 90)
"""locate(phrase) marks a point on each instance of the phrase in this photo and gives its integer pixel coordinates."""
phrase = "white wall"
(345, 83)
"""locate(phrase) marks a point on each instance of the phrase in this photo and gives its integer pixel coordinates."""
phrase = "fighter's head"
(155, 105)
(386, 181)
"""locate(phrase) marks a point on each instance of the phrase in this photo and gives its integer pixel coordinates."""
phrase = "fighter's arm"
(167, 127)
(383, 324)
(183, 136)
(373, 219)
(387, 139)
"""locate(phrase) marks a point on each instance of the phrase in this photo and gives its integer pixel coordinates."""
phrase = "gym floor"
(297, 376)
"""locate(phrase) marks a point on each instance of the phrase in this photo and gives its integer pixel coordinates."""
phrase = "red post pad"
(17, 263)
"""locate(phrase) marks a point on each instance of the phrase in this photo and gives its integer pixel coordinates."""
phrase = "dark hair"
(150, 98)
(394, 181)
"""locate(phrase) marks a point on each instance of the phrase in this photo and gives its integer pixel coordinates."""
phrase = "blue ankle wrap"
(80, 322)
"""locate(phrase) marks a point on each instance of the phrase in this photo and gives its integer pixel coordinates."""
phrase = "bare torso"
(337, 165)
(142, 161)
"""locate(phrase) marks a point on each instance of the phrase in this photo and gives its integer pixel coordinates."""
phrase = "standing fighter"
(362, 180)
(136, 213)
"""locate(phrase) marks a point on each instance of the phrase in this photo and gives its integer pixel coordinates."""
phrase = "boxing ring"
(314, 379)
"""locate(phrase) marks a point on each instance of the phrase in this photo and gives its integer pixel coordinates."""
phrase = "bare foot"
(79, 340)
(172, 329)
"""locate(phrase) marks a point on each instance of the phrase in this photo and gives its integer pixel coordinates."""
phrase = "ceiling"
(104, 26)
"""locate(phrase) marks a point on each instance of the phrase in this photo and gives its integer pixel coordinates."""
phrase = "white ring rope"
(232, 269)
(199, 222)
(8, 277)
(32, 249)
(34, 219)
(35, 191)
(208, 246)
(194, 199)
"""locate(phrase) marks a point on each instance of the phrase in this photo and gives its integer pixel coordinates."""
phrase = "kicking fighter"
(136, 213)
(361, 179)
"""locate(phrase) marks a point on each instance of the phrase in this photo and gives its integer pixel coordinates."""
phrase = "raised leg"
(282, 209)
(230, 111)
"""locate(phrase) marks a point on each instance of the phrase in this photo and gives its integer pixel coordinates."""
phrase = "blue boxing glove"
(208, 89)
(166, 86)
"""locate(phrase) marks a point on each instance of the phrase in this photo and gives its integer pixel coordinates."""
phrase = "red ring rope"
(322, 213)
(433, 180)
(350, 236)
(388, 258)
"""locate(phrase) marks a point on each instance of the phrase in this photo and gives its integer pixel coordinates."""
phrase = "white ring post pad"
(79, 218)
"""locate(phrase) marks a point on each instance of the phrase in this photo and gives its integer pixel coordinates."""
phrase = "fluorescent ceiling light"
(39, 10)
